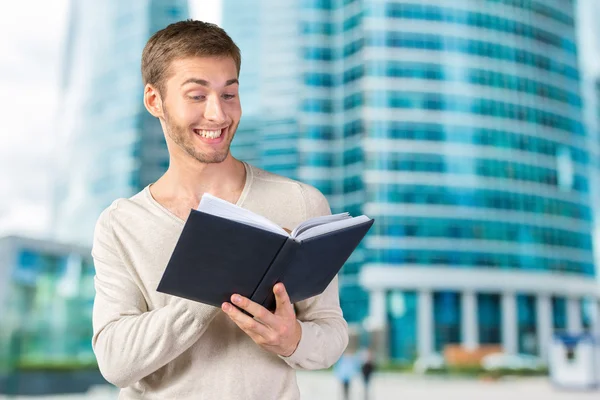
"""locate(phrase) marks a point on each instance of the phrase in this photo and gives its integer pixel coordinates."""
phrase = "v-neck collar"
(240, 201)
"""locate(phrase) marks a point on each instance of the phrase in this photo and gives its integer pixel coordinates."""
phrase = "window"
(472, 47)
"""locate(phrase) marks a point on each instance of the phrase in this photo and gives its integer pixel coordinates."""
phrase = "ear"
(153, 101)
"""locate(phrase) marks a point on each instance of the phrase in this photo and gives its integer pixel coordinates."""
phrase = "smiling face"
(200, 108)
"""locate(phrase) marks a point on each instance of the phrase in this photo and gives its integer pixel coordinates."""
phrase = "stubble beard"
(181, 137)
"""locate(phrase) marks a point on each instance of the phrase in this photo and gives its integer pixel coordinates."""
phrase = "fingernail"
(225, 306)
(237, 299)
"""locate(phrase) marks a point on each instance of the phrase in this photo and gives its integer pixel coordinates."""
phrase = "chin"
(215, 158)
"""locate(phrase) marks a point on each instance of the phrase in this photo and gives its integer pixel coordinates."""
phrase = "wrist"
(296, 336)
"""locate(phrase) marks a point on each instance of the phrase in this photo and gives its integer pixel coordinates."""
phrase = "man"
(156, 346)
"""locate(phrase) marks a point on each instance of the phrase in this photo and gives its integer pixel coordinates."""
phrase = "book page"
(310, 223)
(331, 227)
(213, 205)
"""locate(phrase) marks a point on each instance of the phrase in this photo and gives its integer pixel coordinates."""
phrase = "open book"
(305, 230)
(225, 249)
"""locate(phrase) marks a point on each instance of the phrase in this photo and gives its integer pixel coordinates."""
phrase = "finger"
(258, 311)
(249, 325)
(284, 306)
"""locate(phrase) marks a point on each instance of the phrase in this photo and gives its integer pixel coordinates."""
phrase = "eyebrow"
(203, 82)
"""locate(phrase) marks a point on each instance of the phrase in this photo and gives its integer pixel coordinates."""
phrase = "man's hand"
(277, 332)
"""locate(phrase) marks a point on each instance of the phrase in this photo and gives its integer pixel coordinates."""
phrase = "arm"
(324, 331)
(129, 341)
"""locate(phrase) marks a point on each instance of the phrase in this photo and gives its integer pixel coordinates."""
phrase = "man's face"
(201, 107)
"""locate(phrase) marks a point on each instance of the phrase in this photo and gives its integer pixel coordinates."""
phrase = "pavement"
(390, 386)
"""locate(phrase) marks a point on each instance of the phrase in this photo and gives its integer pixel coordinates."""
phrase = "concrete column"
(425, 323)
(509, 323)
(574, 325)
(377, 324)
(470, 333)
(544, 324)
(377, 319)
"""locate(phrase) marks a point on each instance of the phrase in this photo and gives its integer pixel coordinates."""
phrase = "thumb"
(284, 305)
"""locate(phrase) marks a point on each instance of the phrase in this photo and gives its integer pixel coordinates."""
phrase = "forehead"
(207, 68)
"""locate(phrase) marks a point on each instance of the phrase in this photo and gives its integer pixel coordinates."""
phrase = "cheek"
(234, 110)
(190, 113)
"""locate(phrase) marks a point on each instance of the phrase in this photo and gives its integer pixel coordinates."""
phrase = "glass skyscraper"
(267, 33)
(112, 147)
(475, 167)
(459, 127)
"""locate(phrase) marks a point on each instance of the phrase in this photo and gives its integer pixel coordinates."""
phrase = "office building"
(459, 128)
(111, 146)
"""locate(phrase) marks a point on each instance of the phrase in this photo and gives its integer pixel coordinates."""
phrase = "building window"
(559, 313)
(489, 315)
(402, 325)
(527, 324)
(447, 319)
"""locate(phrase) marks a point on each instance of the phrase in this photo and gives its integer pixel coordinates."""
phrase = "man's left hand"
(277, 332)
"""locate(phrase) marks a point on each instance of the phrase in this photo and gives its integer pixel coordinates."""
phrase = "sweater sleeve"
(324, 329)
(129, 341)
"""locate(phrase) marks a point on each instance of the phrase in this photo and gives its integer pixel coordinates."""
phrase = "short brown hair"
(184, 39)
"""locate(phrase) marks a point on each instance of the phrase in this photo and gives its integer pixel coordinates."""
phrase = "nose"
(214, 111)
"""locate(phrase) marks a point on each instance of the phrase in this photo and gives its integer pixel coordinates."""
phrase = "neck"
(190, 179)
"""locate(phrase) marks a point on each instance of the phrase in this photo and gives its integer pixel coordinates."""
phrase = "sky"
(31, 40)
(28, 80)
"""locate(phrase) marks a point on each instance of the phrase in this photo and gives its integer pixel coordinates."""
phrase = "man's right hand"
(278, 332)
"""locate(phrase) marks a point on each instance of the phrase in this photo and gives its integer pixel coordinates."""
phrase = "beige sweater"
(157, 346)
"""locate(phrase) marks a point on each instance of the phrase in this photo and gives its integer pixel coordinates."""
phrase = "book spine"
(264, 292)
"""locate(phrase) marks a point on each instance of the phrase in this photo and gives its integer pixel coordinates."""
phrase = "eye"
(198, 97)
(228, 96)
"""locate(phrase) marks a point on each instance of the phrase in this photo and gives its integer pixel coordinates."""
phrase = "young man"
(156, 346)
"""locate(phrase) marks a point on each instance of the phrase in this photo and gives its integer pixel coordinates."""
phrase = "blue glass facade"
(559, 313)
(447, 319)
(527, 327)
(402, 314)
(458, 127)
(489, 318)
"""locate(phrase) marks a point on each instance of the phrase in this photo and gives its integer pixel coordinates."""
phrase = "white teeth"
(209, 134)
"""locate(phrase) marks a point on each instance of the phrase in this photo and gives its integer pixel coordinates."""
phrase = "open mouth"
(211, 136)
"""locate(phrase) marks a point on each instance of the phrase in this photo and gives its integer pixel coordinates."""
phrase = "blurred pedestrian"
(368, 366)
(345, 369)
